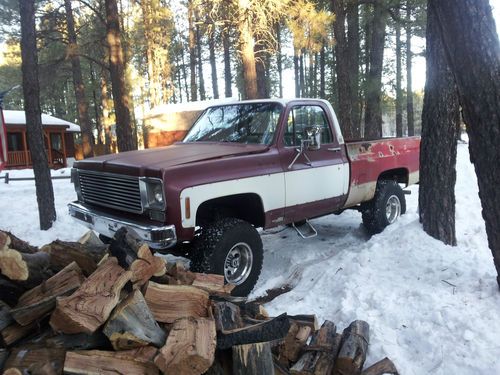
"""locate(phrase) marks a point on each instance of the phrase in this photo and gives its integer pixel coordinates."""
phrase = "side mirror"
(313, 134)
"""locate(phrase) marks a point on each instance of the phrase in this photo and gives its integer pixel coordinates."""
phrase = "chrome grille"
(110, 190)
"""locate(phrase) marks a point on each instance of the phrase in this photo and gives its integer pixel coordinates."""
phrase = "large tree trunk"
(105, 121)
(213, 62)
(192, 51)
(343, 72)
(354, 63)
(247, 45)
(473, 55)
(409, 88)
(154, 95)
(261, 64)
(399, 92)
(82, 106)
(31, 91)
(322, 72)
(228, 91)
(279, 62)
(296, 72)
(373, 114)
(121, 98)
(438, 150)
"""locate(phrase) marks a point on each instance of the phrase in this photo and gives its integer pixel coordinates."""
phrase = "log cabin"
(59, 136)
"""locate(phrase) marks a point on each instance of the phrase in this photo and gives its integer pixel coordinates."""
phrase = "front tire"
(385, 208)
(230, 247)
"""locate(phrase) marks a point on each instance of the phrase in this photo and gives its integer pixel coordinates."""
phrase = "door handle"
(334, 149)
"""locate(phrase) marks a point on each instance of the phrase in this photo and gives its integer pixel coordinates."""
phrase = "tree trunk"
(438, 150)
(154, 95)
(247, 45)
(228, 91)
(279, 58)
(473, 56)
(213, 62)
(409, 88)
(105, 121)
(31, 92)
(301, 74)
(373, 114)
(261, 63)
(201, 79)
(82, 106)
(121, 98)
(296, 72)
(343, 72)
(354, 63)
(399, 91)
(192, 51)
(184, 74)
(322, 72)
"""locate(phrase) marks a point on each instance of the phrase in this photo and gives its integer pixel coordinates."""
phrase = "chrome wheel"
(238, 263)
(392, 209)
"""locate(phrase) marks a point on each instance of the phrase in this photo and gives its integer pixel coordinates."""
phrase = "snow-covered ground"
(433, 309)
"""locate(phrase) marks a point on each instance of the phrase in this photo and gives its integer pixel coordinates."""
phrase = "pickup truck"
(243, 166)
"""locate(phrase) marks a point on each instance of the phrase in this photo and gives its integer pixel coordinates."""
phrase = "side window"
(302, 117)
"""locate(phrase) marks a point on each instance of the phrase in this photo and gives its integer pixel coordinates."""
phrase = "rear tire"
(385, 208)
(230, 247)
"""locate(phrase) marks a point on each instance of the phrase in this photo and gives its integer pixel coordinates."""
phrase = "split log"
(4, 240)
(293, 343)
(146, 266)
(30, 269)
(79, 341)
(190, 347)
(213, 284)
(4, 354)
(90, 306)
(16, 332)
(87, 362)
(63, 253)
(132, 324)
(42, 299)
(305, 320)
(227, 316)
(252, 359)
(16, 243)
(171, 302)
(270, 330)
(254, 310)
(90, 239)
(124, 247)
(384, 366)
(352, 354)
(5, 316)
(36, 360)
(320, 355)
(11, 291)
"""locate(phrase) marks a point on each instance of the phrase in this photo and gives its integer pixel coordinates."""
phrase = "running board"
(312, 232)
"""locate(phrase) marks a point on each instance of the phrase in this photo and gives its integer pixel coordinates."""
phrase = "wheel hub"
(238, 263)
(392, 209)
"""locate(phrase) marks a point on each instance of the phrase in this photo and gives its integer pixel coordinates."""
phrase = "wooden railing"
(18, 158)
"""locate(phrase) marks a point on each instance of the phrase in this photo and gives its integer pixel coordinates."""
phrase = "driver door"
(319, 185)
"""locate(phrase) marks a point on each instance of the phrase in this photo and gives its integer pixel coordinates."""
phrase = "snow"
(19, 118)
(432, 308)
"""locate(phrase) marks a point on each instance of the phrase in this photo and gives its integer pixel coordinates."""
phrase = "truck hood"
(158, 159)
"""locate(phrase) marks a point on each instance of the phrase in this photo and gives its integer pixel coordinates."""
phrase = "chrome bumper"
(156, 237)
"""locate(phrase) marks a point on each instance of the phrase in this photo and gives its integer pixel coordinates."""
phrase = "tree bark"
(354, 63)
(279, 58)
(409, 88)
(121, 98)
(247, 45)
(82, 106)
(261, 64)
(373, 113)
(438, 149)
(344, 94)
(252, 359)
(192, 51)
(213, 62)
(399, 92)
(31, 92)
(322, 72)
(296, 72)
(473, 56)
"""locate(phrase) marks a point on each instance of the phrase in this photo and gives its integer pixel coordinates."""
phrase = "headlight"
(152, 194)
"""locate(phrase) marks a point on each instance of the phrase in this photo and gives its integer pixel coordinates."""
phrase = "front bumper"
(157, 237)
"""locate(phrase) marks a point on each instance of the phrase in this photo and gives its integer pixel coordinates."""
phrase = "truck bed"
(371, 159)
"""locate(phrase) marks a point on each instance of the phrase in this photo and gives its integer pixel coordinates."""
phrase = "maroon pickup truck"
(243, 166)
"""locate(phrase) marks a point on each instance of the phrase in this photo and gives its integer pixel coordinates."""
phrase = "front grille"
(110, 190)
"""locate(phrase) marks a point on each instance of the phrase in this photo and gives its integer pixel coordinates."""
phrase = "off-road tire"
(374, 212)
(213, 244)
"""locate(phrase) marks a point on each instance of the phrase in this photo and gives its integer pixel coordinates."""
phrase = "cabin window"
(15, 141)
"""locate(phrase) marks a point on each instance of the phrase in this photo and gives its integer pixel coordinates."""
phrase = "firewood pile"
(88, 308)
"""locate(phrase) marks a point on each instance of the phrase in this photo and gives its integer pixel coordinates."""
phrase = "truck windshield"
(253, 123)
